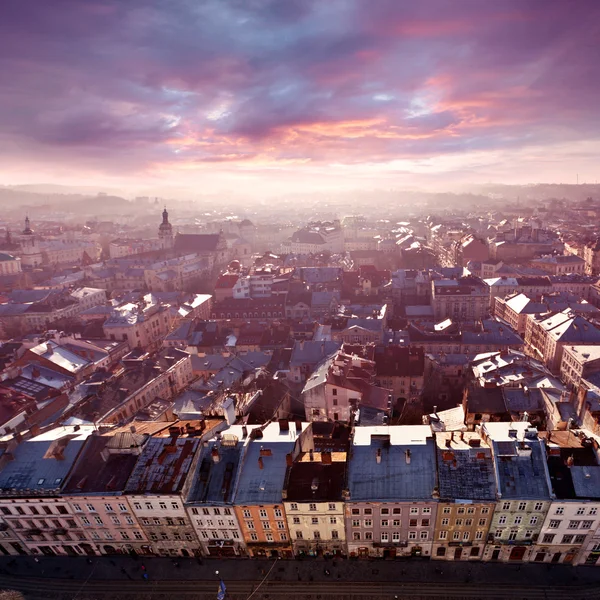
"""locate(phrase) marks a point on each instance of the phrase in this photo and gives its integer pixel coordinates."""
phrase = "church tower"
(31, 255)
(165, 231)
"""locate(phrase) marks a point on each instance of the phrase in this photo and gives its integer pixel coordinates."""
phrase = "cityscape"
(299, 300)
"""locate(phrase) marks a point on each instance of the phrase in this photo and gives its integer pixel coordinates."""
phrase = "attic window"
(41, 481)
(58, 480)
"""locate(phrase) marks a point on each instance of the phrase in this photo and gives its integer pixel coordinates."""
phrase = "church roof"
(197, 242)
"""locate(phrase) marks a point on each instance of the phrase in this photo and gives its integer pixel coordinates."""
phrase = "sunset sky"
(275, 95)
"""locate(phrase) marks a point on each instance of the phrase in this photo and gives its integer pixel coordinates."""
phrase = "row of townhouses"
(504, 492)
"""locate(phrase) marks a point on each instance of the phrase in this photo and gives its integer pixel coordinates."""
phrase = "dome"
(234, 265)
(246, 223)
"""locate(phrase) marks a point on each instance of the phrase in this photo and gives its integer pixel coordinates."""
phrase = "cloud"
(136, 88)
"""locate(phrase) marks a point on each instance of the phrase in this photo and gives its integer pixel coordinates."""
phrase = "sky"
(264, 96)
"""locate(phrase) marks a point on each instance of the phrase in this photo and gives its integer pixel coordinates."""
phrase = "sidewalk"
(128, 568)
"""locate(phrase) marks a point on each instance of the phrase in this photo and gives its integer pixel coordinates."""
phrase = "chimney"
(289, 459)
(265, 451)
(435, 410)
(311, 455)
(462, 436)
(452, 436)
(378, 457)
(298, 426)
(448, 443)
(261, 464)
(570, 461)
(132, 429)
(215, 454)
(244, 432)
(407, 456)
(284, 426)
(326, 457)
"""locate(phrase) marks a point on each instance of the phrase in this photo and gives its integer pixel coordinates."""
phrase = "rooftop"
(264, 466)
(105, 464)
(465, 467)
(39, 465)
(163, 466)
(316, 481)
(392, 463)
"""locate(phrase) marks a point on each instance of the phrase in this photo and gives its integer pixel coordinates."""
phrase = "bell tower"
(165, 231)
(32, 257)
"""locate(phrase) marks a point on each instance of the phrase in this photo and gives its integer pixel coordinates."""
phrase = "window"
(108, 508)
(296, 521)
(396, 511)
(446, 521)
(443, 535)
(278, 514)
(356, 536)
(122, 507)
(368, 522)
(424, 535)
(385, 511)
(368, 535)
(506, 506)
(85, 521)
(333, 520)
(412, 535)
(263, 513)
(528, 533)
(458, 522)
(108, 535)
(149, 506)
(579, 539)
(456, 535)
(90, 507)
(254, 537)
(146, 521)
(250, 525)
(533, 520)
(315, 520)
(76, 508)
(170, 521)
(312, 507)
(298, 535)
(470, 510)
(99, 521)
(227, 511)
(156, 521)
(265, 524)
(512, 536)
(6, 511)
(479, 534)
(384, 523)
(580, 511)
(413, 522)
(522, 505)
(586, 524)
(518, 520)
(269, 537)
(124, 535)
(425, 522)
(414, 510)
(384, 537)
(355, 523)
(574, 524)
(356, 511)
(461, 510)
(485, 510)
(502, 520)
(465, 535)
(567, 539)
(116, 520)
(482, 522)
(332, 506)
(548, 538)
(247, 514)
(538, 506)
(162, 505)
(559, 510)
(205, 511)
(175, 506)
(593, 511)
(446, 510)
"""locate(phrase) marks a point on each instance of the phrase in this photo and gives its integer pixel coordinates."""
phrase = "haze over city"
(275, 96)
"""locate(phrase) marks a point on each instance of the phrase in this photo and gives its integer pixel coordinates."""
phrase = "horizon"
(299, 97)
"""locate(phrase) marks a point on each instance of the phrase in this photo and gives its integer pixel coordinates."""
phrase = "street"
(153, 578)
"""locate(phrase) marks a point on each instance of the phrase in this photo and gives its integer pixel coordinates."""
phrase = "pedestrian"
(143, 567)
(145, 576)
(37, 560)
